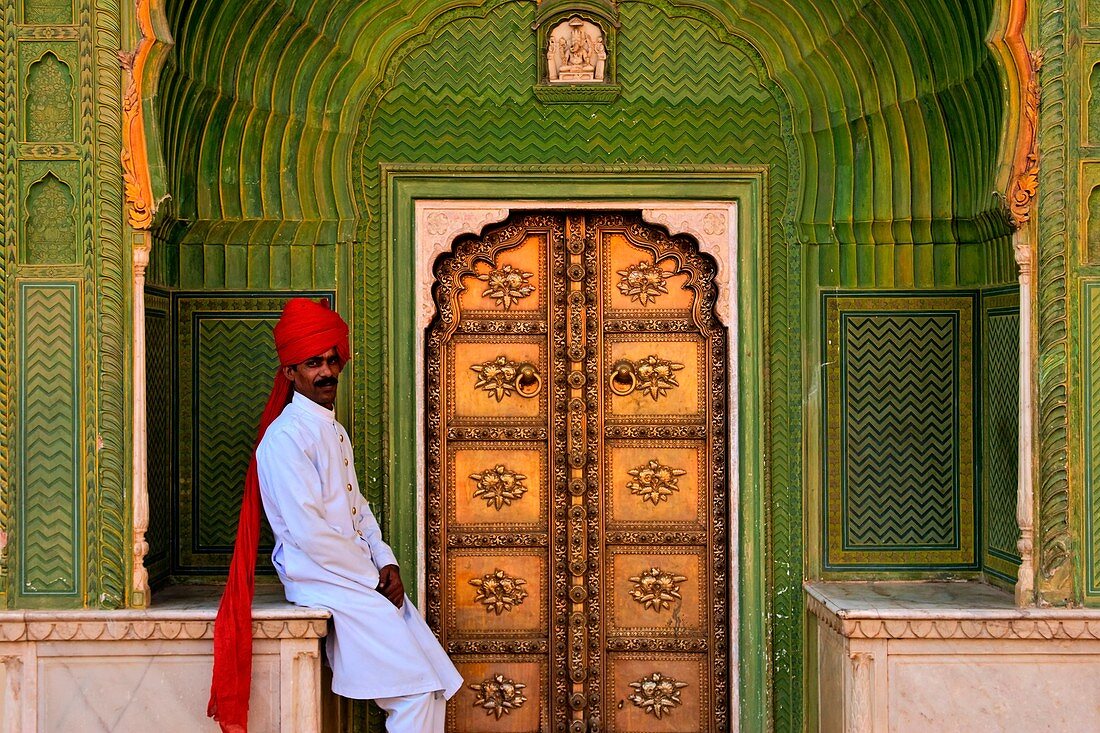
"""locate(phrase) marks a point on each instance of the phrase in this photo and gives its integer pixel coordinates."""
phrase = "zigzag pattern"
(475, 75)
(1092, 376)
(700, 103)
(1001, 431)
(900, 431)
(235, 364)
(158, 416)
(48, 447)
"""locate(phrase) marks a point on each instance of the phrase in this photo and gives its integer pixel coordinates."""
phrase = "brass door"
(577, 484)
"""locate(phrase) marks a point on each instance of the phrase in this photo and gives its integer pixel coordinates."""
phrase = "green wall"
(878, 125)
(1068, 306)
(65, 327)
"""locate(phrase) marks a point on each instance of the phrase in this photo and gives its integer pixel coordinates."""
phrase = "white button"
(341, 438)
(359, 532)
(345, 461)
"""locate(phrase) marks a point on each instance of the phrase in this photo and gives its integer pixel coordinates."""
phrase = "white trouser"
(423, 713)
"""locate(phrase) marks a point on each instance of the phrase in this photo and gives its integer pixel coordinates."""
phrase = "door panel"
(671, 696)
(496, 379)
(655, 591)
(497, 481)
(502, 693)
(576, 478)
(656, 482)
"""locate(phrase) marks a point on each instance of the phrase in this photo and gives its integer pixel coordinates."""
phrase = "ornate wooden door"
(577, 482)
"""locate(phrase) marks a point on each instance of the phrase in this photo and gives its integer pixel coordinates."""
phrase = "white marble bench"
(149, 670)
(913, 657)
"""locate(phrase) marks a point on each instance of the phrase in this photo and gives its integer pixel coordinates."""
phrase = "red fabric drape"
(305, 329)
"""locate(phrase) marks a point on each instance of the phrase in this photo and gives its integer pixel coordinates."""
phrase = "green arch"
(259, 106)
(883, 129)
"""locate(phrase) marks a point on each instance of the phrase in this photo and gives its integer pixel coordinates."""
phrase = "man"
(329, 551)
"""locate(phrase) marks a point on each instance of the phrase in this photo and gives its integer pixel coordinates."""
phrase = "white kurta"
(328, 551)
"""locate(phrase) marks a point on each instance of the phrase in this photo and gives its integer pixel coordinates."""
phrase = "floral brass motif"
(499, 695)
(502, 376)
(654, 481)
(657, 694)
(656, 589)
(499, 487)
(499, 592)
(507, 286)
(643, 282)
(652, 375)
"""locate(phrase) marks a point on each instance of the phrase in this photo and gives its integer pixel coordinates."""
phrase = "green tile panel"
(227, 361)
(1000, 433)
(900, 463)
(50, 483)
(159, 418)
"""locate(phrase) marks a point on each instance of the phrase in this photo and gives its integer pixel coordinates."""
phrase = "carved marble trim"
(106, 628)
(961, 624)
(1020, 160)
(714, 227)
(141, 206)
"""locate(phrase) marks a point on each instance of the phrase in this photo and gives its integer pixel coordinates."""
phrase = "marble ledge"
(940, 610)
(178, 613)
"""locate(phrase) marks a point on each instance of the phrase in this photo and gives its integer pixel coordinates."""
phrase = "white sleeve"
(381, 552)
(290, 479)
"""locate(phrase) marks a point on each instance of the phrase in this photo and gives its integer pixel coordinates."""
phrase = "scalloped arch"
(897, 109)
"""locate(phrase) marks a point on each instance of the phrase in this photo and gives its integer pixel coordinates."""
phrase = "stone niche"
(576, 52)
(576, 45)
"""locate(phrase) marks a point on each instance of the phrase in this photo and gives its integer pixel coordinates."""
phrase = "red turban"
(306, 329)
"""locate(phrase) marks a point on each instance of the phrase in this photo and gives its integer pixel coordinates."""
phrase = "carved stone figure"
(578, 53)
(575, 51)
(552, 54)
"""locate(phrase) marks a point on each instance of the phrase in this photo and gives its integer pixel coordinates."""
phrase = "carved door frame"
(713, 224)
(594, 185)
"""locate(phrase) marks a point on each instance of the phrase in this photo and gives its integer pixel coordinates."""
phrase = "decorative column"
(1020, 155)
(141, 207)
(1025, 183)
(139, 591)
(1025, 492)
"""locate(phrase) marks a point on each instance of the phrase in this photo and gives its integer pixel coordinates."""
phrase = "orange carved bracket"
(1020, 150)
(138, 66)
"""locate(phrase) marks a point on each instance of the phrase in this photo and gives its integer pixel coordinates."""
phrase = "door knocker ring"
(528, 381)
(623, 379)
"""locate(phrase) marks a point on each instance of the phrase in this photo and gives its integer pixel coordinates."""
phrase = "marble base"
(918, 657)
(64, 671)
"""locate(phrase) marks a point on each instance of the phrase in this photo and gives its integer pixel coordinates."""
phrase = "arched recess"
(889, 118)
(906, 95)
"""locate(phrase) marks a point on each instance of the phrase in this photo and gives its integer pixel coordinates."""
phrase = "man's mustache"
(326, 382)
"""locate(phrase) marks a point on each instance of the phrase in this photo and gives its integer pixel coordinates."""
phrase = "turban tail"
(305, 329)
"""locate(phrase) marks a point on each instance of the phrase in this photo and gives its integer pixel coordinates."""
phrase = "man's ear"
(288, 372)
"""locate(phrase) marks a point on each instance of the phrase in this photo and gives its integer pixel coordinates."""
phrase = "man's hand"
(390, 585)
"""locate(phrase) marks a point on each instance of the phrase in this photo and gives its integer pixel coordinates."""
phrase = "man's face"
(317, 377)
